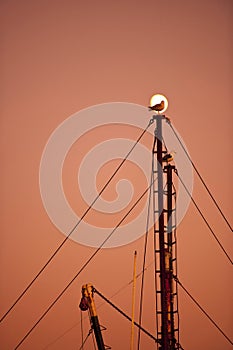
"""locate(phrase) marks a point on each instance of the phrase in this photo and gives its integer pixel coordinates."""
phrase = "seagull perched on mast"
(168, 157)
(158, 107)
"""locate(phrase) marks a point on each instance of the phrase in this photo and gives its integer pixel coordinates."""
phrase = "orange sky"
(59, 57)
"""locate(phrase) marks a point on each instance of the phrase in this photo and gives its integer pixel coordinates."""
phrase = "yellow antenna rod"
(133, 300)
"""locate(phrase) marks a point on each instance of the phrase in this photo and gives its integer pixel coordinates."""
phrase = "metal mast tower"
(164, 208)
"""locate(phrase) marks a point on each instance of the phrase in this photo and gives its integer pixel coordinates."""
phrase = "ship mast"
(165, 244)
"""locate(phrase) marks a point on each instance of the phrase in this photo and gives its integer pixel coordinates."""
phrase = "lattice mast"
(164, 207)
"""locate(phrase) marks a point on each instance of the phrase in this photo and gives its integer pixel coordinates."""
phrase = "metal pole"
(87, 294)
(169, 170)
(165, 341)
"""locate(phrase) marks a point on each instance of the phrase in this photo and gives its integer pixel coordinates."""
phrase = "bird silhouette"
(158, 107)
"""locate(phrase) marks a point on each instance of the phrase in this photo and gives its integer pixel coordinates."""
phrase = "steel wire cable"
(125, 315)
(76, 225)
(81, 315)
(201, 179)
(92, 333)
(201, 308)
(84, 341)
(205, 220)
(83, 267)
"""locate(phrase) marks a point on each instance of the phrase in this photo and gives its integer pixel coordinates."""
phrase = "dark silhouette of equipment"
(87, 303)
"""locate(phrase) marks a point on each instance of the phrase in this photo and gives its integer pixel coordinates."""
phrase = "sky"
(61, 58)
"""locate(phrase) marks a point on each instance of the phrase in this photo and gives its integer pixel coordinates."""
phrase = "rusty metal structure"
(164, 209)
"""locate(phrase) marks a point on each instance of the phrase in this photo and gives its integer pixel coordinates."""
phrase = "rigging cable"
(201, 308)
(81, 315)
(201, 178)
(89, 333)
(76, 225)
(205, 220)
(144, 262)
(83, 267)
(125, 315)
(92, 333)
